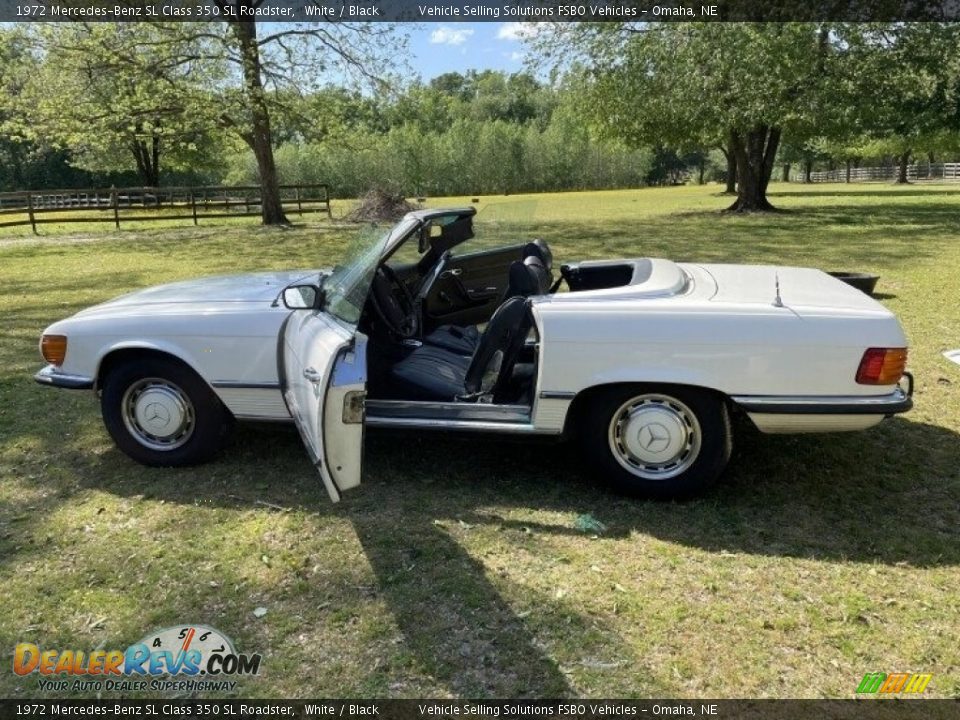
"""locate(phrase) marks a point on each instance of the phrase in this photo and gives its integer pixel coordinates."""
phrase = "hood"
(260, 287)
(803, 290)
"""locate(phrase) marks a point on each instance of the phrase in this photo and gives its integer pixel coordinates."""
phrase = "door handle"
(312, 374)
(482, 293)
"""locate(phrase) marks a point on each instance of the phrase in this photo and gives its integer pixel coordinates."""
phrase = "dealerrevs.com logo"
(184, 652)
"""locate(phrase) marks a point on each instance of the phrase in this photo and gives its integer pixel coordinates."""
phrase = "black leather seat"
(540, 249)
(454, 338)
(434, 373)
(526, 277)
(429, 373)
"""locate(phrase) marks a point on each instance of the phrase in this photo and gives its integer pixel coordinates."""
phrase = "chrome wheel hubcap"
(158, 414)
(655, 437)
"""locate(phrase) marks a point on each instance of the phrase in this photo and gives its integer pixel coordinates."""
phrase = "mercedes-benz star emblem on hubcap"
(156, 414)
(654, 437)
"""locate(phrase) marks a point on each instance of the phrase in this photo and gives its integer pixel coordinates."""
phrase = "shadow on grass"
(453, 619)
(890, 496)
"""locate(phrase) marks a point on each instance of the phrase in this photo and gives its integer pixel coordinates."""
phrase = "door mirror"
(302, 297)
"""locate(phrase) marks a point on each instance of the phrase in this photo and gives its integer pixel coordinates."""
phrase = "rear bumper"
(823, 414)
(50, 375)
(899, 401)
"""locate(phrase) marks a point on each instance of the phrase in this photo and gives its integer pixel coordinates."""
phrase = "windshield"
(347, 286)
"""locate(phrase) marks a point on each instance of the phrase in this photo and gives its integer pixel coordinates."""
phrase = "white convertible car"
(642, 360)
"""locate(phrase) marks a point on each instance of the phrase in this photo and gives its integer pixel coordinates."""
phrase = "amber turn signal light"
(53, 348)
(882, 366)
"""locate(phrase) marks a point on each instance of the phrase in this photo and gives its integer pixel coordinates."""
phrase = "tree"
(737, 86)
(730, 178)
(228, 73)
(16, 65)
(291, 59)
(105, 92)
(904, 80)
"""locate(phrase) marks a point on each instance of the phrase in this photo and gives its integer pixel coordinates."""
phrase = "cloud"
(518, 30)
(444, 35)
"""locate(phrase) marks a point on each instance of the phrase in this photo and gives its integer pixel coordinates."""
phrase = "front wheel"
(160, 413)
(657, 441)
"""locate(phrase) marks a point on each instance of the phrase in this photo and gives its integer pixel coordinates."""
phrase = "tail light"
(53, 348)
(882, 366)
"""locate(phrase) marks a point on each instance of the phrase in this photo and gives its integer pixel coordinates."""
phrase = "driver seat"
(434, 373)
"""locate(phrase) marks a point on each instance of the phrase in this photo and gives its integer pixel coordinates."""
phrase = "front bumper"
(51, 375)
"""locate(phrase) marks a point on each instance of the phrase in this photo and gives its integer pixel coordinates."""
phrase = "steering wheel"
(393, 303)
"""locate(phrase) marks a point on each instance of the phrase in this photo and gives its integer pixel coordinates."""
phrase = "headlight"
(53, 348)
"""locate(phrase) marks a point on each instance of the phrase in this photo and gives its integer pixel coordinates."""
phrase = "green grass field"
(457, 569)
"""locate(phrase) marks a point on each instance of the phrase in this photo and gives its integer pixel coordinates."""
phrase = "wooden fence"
(920, 172)
(146, 204)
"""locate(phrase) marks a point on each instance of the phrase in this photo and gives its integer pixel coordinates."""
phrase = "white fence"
(919, 172)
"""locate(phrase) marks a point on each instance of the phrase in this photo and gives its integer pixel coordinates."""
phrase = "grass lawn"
(458, 568)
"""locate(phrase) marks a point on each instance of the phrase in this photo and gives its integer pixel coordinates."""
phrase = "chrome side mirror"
(302, 297)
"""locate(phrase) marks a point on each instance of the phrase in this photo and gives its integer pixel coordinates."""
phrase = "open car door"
(322, 363)
(324, 379)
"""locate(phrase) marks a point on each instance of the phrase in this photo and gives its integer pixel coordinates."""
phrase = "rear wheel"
(161, 413)
(657, 441)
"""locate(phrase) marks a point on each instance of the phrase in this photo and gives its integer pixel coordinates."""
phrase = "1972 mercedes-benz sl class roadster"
(642, 360)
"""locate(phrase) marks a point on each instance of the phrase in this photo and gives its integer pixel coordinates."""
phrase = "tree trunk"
(786, 172)
(754, 152)
(904, 162)
(807, 171)
(701, 169)
(730, 154)
(260, 137)
(848, 172)
(148, 160)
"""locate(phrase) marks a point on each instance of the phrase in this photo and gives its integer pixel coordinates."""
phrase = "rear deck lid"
(806, 291)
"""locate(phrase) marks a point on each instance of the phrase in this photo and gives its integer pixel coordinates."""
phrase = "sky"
(455, 47)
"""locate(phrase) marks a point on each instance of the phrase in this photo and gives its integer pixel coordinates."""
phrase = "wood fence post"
(115, 201)
(326, 195)
(193, 205)
(33, 220)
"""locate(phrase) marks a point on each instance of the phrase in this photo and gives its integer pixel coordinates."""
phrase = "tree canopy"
(624, 104)
(744, 86)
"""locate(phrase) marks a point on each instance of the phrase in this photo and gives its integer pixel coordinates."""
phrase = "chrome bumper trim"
(51, 376)
(896, 402)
